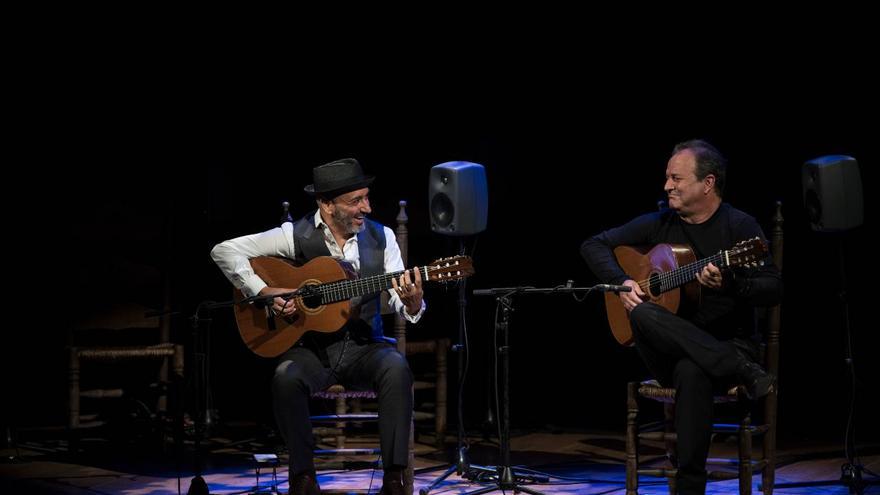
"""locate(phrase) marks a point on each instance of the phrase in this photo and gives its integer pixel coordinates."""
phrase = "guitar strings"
(678, 276)
(346, 289)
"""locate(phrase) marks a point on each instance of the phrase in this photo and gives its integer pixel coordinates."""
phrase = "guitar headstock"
(750, 252)
(451, 268)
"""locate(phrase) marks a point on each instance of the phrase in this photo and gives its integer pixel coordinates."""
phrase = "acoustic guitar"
(323, 291)
(667, 275)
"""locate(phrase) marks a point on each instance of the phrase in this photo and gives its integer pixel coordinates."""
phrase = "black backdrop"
(560, 167)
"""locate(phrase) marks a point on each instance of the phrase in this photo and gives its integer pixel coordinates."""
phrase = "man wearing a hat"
(358, 356)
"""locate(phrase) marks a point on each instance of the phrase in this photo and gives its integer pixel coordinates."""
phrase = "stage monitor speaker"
(833, 193)
(458, 198)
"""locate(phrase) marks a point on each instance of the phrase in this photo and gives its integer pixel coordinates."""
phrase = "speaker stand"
(851, 470)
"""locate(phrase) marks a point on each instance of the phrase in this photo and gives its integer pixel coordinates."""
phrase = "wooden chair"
(124, 337)
(744, 429)
(434, 379)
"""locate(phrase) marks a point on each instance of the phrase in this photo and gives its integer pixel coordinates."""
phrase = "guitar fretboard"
(687, 273)
(343, 290)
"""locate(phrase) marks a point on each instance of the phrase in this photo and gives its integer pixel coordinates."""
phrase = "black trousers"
(681, 355)
(357, 365)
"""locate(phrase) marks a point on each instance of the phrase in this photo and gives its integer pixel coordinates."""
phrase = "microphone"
(612, 288)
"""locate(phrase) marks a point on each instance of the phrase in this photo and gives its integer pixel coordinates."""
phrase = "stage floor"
(576, 462)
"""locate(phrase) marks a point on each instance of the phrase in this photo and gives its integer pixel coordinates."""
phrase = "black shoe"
(392, 483)
(394, 487)
(304, 484)
(756, 381)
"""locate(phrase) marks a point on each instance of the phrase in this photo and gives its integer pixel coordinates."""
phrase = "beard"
(347, 222)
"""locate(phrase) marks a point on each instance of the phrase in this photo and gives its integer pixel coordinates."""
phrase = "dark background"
(157, 171)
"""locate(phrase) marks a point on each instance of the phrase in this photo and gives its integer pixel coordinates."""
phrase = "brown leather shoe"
(304, 484)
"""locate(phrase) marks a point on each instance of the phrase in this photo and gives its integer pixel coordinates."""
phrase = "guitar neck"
(687, 273)
(343, 290)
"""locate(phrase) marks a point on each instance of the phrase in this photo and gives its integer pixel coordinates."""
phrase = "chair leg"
(768, 476)
(745, 455)
(440, 413)
(340, 410)
(73, 389)
(632, 439)
(178, 361)
(175, 365)
(162, 400)
(669, 429)
(73, 400)
(409, 473)
(669, 440)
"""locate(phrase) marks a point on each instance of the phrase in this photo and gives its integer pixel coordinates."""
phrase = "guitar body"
(268, 335)
(642, 263)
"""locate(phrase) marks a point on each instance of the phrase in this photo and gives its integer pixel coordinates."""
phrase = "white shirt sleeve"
(233, 256)
(394, 263)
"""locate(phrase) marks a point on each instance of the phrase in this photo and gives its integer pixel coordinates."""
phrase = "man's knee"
(643, 315)
(395, 369)
(688, 374)
(288, 379)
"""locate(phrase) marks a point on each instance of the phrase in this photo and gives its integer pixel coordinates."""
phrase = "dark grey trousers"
(357, 366)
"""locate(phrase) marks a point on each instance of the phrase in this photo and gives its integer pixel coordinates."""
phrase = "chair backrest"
(402, 234)
(773, 323)
(772, 330)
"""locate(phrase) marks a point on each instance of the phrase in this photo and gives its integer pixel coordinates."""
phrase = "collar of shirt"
(348, 252)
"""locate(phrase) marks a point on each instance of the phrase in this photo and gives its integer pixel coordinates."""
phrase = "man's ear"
(709, 181)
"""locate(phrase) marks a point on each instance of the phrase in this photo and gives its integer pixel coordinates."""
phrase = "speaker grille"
(442, 211)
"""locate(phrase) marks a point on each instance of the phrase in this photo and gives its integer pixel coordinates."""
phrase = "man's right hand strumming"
(633, 298)
(281, 306)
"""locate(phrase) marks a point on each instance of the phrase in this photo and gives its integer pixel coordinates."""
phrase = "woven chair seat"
(651, 389)
(339, 392)
(131, 352)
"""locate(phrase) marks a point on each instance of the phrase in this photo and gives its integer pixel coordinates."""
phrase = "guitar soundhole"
(654, 285)
(311, 299)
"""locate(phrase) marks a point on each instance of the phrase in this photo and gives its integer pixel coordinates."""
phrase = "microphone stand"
(198, 486)
(505, 476)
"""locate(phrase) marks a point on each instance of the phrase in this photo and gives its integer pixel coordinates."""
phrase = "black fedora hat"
(338, 177)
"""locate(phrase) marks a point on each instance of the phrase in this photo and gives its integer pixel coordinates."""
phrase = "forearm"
(761, 287)
(601, 261)
(233, 256)
(598, 252)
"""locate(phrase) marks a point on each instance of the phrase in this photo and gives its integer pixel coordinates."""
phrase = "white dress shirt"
(233, 257)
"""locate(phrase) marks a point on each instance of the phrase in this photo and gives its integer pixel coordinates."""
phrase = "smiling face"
(347, 212)
(687, 194)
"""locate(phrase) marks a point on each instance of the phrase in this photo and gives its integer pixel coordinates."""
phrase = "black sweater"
(727, 312)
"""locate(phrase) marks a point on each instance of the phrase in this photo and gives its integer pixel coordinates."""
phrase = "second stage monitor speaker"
(458, 198)
(833, 193)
